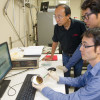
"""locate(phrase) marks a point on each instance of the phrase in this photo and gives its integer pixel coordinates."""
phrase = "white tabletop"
(42, 70)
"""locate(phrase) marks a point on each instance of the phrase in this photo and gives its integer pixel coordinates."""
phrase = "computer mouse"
(52, 69)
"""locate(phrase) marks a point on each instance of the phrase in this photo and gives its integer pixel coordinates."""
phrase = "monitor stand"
(3, 87)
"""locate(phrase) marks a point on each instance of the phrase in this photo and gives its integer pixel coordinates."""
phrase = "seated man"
(89, 83)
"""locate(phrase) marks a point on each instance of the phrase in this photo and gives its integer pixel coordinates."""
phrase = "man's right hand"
(47, 59)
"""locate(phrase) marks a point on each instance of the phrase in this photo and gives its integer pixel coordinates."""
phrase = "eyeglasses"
(86, 46)
(59, 17)
(86, 16)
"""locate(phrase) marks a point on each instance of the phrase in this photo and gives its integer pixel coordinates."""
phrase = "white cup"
(35, 79)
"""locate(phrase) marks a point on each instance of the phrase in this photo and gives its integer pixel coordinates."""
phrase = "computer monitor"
(44, 6)
(5, 67)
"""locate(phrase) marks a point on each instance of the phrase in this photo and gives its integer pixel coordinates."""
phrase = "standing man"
(91, 16)
(68, 32)
(89, 82)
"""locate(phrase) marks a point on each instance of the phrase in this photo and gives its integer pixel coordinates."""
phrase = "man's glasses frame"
(86, 16)
(86, 46)
(59, 17)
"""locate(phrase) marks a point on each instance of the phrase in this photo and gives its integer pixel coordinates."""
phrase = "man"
(89, 82)
(68, 32)
(91, 16)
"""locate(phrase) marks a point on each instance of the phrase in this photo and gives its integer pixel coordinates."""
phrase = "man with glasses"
(68, 32)
(89, 82)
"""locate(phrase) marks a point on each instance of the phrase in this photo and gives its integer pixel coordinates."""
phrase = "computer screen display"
(5, 61)
(44, 6)
(5, 67)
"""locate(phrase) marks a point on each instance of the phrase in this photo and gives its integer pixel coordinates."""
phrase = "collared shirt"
(89, 83)
(71, 38)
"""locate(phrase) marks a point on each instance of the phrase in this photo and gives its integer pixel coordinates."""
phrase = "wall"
(20, 18)
(75, 8)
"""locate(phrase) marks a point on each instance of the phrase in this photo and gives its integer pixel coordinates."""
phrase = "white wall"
(75, 8)
(21, 20)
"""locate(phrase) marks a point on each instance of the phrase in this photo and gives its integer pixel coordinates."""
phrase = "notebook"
(55, 58)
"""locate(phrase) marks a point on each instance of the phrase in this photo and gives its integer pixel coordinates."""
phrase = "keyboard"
(27, 92)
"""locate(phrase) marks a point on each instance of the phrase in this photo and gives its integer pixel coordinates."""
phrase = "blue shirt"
(89, 83)
(74, 59)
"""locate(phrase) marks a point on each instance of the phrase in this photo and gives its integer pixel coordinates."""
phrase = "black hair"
(66, 7)
(94, 6)
(93, 33)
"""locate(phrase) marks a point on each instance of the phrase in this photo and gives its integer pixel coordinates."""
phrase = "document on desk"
(33, 51)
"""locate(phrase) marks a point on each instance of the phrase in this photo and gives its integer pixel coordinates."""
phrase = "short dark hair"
(93, 33)
(94, 6)
(66, 7)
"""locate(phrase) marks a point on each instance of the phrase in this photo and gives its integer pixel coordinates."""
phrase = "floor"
(71, 90)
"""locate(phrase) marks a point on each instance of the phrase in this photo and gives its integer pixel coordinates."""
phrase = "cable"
(11, 87)
(17, 73)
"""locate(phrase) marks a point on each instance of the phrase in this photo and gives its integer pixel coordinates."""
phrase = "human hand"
(62, 68)
(47, 58)
(38, 87)
(54, 75)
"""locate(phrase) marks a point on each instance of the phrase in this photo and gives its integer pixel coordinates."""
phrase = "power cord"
(17, 73)
(11, 87)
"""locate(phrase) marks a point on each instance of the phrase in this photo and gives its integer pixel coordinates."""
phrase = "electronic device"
(27, 92)
(5, 67)
(44, 6)
(25, 62)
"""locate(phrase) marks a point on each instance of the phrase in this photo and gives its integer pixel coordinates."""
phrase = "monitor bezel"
(2, 78)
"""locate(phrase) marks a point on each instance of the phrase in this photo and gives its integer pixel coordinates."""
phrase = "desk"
(42, 70)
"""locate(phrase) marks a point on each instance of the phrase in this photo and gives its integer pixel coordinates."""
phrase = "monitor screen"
(44, 6)
(5, 63)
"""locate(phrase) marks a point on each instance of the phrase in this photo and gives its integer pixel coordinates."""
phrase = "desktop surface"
(42, 71)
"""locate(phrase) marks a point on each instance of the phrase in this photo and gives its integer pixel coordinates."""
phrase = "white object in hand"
(36, 80)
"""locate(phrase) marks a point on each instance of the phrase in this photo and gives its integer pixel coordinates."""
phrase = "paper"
(33, 50)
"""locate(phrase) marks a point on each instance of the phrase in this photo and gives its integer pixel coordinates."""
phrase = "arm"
(54, 46)
(90, 91)
(74, 59)
(75, 82)
(53, 95)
